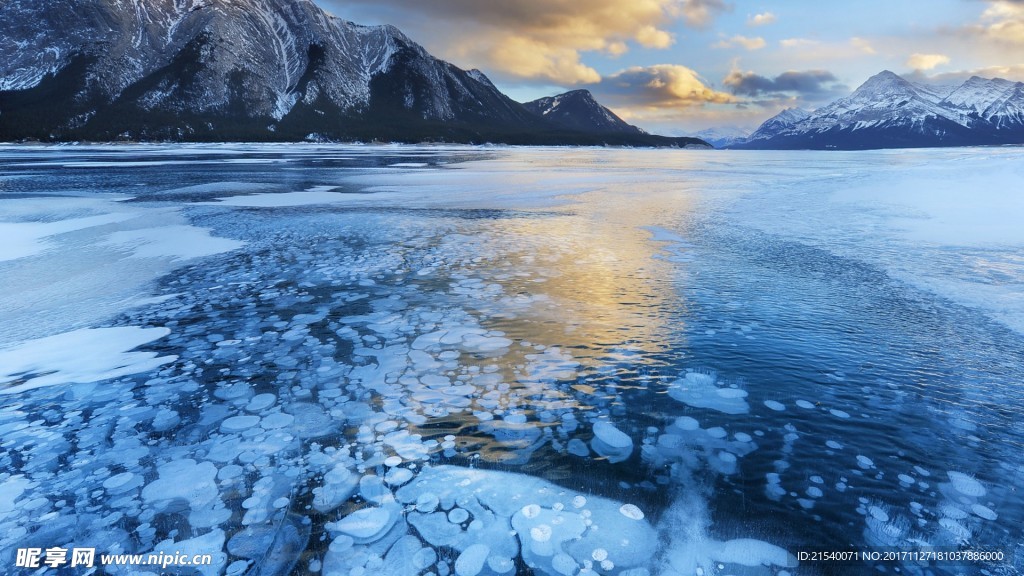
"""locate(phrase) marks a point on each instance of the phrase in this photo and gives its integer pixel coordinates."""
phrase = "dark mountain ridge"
(252, 70)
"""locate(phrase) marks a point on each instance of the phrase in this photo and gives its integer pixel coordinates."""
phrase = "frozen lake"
(428, 360)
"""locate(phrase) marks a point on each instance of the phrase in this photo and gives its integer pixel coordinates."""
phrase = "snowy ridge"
(255, 70)
(889, 111)
(781, 121)
(269, 40)
(211, 57)
(721, 137)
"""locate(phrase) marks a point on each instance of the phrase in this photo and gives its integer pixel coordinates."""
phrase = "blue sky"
(676, 66)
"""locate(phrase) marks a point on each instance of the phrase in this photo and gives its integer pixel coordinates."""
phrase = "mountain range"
(889, 111)
(258, 70)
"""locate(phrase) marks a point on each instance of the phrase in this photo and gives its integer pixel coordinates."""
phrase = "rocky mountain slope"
(239, 70)
(578, 110)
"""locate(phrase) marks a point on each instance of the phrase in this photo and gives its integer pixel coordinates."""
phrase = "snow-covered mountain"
(779, 123)
(236, 69)
(578, 110)
(723, 136)
(194, 69)
(888, 111)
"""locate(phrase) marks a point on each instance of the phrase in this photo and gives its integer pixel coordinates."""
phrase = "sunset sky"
(675, 66)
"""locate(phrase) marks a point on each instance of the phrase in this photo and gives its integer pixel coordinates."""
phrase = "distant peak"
(886, 77)
(886, 80)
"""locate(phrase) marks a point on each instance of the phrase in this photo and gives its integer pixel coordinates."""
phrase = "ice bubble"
(311, 421)
(839, 413)
(687, 423)
(865, 462)
(260, 402)
(500, 564)
(185, 480)
(339, 484)
(458, 515)
(805, 404)
(814, 492)
(834, 445)
(631, 511)
(210, 543)
(372, 489)
(966, 484)
(698, 390)
(959, 531)
(392, 461)
(611, 442)
(531, 511)
(365, 525)
(878, 513)
(599, 554)
(398, 476)
(239, 423)
(564, 564)
(276, 420)
(472, 560)
(742, 437)
(776, 406)
(904, 479)
(424, 558)
(950, 510)
(984, 512)
(717, 432)
(579, 501)
(541, 533)
(427, 502)
(750, 552)
(119, 482)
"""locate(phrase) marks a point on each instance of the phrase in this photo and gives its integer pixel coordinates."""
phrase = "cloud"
(811, 84)
(1003, 21)
(862, 45)
(544, 40)
(1014, 72)
(700, 13)
(531, 59)
(926, 61)
(761, 19)
(658, 86)
(748, 43)
(797, 42)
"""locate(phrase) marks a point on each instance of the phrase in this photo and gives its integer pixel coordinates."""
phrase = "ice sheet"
(172, 241)
(81, 356)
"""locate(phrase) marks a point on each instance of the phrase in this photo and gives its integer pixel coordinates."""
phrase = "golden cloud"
(926, 61)
(658, 86)
(1004, 21)
(540, 39)
(531, 59)
(762, 19)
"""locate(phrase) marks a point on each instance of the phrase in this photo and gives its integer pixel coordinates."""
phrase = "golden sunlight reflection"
(587, 290)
